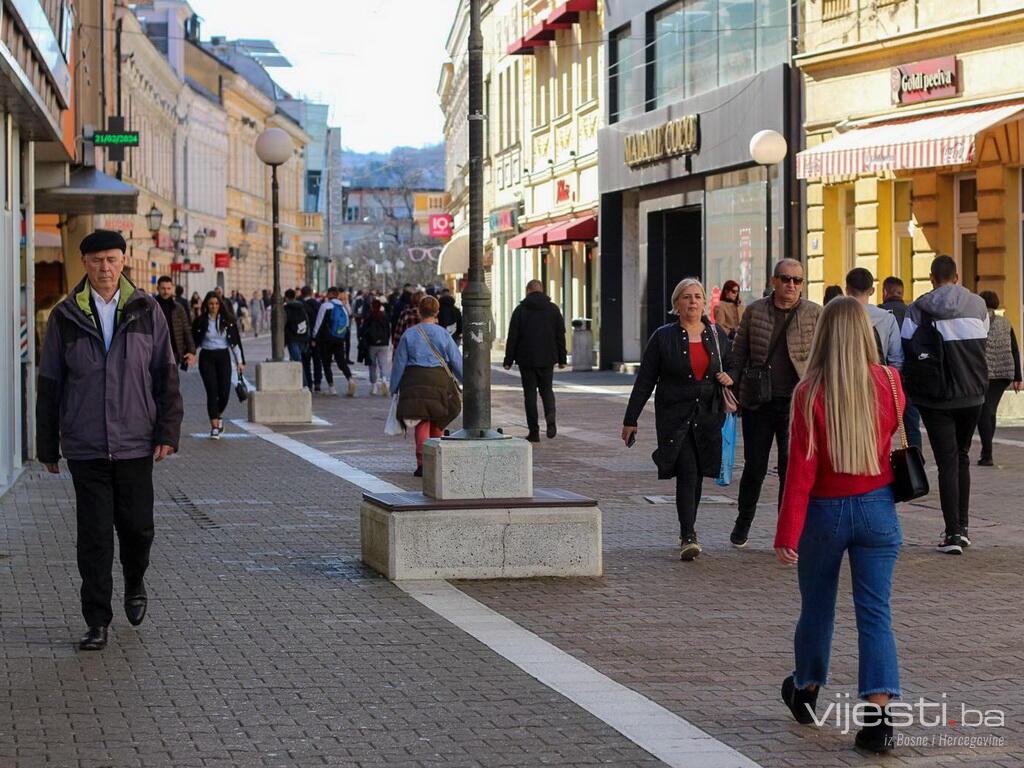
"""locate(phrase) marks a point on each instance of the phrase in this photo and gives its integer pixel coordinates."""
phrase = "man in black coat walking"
(536, 342)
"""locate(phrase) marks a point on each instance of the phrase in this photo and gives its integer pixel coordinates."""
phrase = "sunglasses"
(790, 279)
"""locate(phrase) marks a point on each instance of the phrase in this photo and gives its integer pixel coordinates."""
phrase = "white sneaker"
(332, 390)
(215, 433)
(375, 388)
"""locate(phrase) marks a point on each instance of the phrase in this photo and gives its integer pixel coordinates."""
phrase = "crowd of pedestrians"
(828, 386)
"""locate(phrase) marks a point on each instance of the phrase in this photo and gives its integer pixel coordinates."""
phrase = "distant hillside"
(421, 168)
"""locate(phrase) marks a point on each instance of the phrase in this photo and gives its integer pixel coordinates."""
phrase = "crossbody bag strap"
(896, 401)
(782, 334)
(437, 354)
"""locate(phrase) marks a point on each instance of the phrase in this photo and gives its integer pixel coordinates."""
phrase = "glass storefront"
(734, 244)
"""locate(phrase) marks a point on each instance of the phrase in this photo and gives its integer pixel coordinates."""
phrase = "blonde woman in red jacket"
(838, 500)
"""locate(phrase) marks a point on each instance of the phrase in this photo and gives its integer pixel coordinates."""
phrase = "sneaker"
(876, 735)
(690, 549)
(215, 433)
(800, 701)
(351, 392)
(951, 545)
(985, 461)
(739, 534)
(332, 390)
(964, 541)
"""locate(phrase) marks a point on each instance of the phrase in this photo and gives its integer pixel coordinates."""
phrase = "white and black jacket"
(952, 371)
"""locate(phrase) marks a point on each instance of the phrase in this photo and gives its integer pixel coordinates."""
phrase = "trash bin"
(582, 345)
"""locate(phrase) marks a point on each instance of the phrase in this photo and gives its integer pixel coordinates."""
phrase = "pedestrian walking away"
(426, 362)
(297, 331)
(312, 367)
(769, 355)
(839, 500)
(860, 285)
(108, 402)
(376, 339)
(946, 375)
(178, 324)
(329, 331)
(730, 308)
(1002, 355)
(407, 318)
(832, 292)
(684, 365)
(536, 343)
(219, 341)
(450, 316)
(892, 301)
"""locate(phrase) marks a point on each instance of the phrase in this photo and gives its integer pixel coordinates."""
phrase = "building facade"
(688, 84)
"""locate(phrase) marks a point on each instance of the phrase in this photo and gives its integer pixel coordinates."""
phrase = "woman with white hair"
(685, 361)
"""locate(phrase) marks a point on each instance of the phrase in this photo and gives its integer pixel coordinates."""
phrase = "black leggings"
(333, 349)
(215, 368)
(987, 419)
(689, 482)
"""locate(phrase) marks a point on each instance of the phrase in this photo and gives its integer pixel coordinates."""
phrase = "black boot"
(534, 436)
(876, 735)
(552, 428)
(801, 702)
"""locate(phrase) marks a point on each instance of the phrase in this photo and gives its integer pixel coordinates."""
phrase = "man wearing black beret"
(108, 402)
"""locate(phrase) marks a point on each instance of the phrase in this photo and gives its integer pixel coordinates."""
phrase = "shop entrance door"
(966, 234)
(675, 249)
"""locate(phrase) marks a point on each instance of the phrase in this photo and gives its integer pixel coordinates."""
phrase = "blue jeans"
(912, 423)
(867, 527)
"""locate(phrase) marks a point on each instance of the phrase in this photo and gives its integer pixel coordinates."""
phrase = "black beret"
(103, 240)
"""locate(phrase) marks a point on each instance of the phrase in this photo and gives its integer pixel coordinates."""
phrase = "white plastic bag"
(392, 427)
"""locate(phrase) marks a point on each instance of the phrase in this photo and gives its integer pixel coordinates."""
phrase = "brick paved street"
(269, 644)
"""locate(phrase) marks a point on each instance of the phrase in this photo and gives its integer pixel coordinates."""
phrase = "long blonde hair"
(840, 369)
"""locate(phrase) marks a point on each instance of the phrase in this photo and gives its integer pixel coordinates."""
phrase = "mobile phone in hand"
(632, 440)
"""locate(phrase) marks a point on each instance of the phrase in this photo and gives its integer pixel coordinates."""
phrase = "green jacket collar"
(84, 293)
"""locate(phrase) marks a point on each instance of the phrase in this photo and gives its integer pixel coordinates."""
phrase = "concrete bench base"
(411, 536)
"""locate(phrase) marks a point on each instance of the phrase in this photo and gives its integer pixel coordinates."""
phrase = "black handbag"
(241, 388)
(757, 379)
(909, 478)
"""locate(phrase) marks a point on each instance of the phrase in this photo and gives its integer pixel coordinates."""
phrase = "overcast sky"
(376, 63)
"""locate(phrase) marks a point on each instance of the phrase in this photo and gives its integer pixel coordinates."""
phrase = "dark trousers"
(689, 483)
(987, 419)
(215, 369)
(332, 349)
(534, 380)
(950, 432)
(912, 423)
(109, 496)
(761, 427)
(312, 368)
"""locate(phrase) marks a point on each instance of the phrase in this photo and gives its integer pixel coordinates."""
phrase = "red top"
(807, 477)
(699, 359)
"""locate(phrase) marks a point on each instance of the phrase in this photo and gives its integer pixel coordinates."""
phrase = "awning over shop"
(539, 33)
(520, 48)
(538, 236)
(921, 142)
(454, 259)
(573, 231)
(569, 12)
(88, 191)
(519, 241)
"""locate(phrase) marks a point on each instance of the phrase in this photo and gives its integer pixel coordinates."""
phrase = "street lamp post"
(153, 220)
(274, 147)
(768, 148)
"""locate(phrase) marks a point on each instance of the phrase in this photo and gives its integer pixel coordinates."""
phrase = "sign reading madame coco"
(676, 137)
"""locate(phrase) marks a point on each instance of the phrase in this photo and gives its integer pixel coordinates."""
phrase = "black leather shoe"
(801, 702)
(93, 640)
(534, 436)
(135, 608)
(552, 430)
(877, 734)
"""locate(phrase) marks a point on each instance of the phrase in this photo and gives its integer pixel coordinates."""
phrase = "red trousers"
(424, 431)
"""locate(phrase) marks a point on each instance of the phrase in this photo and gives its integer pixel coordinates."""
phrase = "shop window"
(734, 229)
(966, 230)
(967, 194)
(903, 239)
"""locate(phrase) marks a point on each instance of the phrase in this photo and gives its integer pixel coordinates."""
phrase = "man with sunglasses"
(769, 356)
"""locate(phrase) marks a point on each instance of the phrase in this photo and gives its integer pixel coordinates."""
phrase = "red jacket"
(807, 477)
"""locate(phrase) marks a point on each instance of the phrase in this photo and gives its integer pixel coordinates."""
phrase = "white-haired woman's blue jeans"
(867, 527)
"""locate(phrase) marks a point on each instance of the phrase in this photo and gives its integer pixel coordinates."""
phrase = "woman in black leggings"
(216, 332)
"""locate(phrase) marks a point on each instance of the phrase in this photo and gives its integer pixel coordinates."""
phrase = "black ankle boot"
(801, 702)
(876, 735)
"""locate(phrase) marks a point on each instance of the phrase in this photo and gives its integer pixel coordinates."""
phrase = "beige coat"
(728, 315)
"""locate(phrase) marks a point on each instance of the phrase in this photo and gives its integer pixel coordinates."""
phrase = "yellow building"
(914, 133)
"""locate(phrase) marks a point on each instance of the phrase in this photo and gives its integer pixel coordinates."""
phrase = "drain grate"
(197, 515)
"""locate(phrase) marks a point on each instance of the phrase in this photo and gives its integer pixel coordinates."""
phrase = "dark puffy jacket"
(180, 328)
(449, 317)
(961, 320)
(297, 329)
(536, 334)
(681, 402)
(119, 404)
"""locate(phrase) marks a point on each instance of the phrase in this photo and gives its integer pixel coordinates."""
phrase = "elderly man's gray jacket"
(107, 404)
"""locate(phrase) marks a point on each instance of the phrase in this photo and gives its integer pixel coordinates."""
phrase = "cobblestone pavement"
(268, 643)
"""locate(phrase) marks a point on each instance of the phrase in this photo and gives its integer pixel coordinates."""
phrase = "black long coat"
(682, 403)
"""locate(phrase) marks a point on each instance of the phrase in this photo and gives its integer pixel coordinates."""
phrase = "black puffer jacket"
(202, 324)
(681, 402)
(536, 334)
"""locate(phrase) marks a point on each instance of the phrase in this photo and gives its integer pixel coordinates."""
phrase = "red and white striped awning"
(923, 142)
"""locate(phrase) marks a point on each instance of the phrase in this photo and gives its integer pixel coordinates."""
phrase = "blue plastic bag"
(728, 450)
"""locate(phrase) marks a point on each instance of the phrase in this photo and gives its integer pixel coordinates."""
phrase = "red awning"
(520, 48)
(539, 34)
(519, 241)
(568, 13)
(538, 237)
(573, 231)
